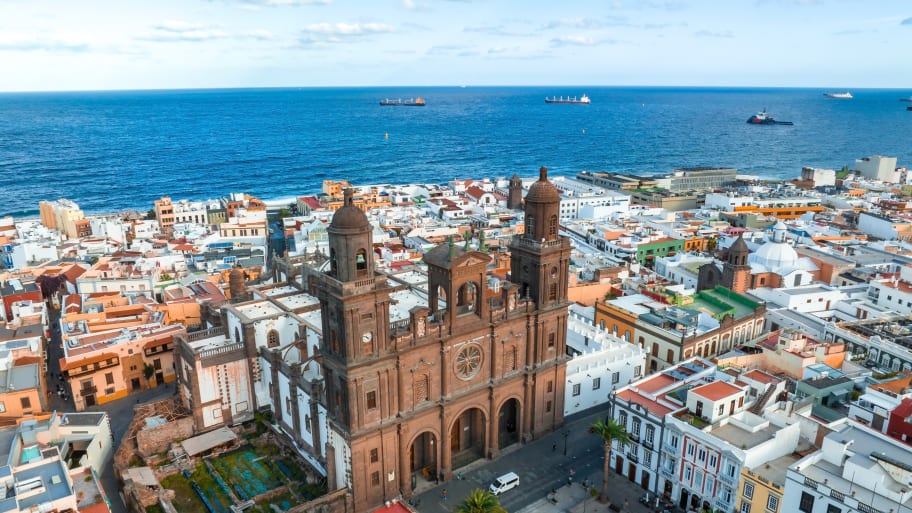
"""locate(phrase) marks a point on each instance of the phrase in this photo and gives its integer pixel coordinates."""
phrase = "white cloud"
(349, 29)
(177, 31)
(412, 6)
(578, 41)
(36, 42)
(578, 23)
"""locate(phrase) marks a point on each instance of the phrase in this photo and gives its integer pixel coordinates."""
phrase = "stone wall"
(339, 501)
(158, 439)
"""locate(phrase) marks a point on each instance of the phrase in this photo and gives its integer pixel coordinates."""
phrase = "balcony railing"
(727, 478)
(648, 444)
(668, 472)
(810, 483)
(87, 390)
(633, 457)
(836, 494)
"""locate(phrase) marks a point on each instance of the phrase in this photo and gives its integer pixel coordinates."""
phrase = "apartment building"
(61, 215)
(22, 370)
(52, 463)
(106, 361)
(856, 469)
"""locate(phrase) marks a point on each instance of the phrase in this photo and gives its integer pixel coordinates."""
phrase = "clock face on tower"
(468, 362)
(367, 337)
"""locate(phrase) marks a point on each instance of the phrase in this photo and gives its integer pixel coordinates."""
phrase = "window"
(375, 478)
(622, 419)
(637, 371)
(548, 407)
(596, 383)
(375, 455)
(576, 389)
(552, 292)
(690, 450)
(701, 455)
(647, 458)
(109, 378)
(807, 503)
(272, 338)
(748, 490)
(615, 377)
(670, 356)
(551, 340)
(831, 508)
(712, 461)
(698, 480)
(550, 386)
(26, 403)
(687, 472)
(745, 507)
(372, 400)
(772, 503)
(2, 407)
(650, 433)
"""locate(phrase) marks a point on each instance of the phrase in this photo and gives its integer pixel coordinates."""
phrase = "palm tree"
(609, 431)
(480, 501)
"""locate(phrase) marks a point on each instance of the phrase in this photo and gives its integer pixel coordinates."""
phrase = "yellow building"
(760, 489)
(61, 215)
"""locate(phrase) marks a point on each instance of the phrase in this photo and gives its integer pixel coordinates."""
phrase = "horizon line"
(442, 86)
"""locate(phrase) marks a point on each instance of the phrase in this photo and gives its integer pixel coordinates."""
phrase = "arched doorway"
(423, 457)
(508, 424)
(467, 438)
(466, 298)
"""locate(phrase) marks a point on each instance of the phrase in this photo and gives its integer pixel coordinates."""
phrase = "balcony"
(633, 457)
(722, 503)
(87, 390)
(634, 437)
(667, 447)
(727, 479)
(648, 444)
(668, 472)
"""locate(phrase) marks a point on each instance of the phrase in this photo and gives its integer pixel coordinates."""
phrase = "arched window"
(552, 292)
(237, 335)
(272, 338)
(552, 226)
(361, 261)
(333, 262)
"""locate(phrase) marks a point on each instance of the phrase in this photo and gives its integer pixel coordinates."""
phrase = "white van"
(505, 482)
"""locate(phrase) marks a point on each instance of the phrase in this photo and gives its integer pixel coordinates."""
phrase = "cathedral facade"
(475, 370)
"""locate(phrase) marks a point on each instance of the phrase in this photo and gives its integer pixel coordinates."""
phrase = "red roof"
(653, 406)
(72, 364)
(904, 409)
(716, 390)
(762, 377)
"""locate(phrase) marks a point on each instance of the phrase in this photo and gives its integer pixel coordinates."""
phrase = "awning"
(211, 440)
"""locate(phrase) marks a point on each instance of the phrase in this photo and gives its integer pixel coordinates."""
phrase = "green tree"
(480, 501)
(609, 431)
(148, 371)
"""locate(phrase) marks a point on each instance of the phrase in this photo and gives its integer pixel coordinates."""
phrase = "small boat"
(581, 100)
(411, 102)
(839, 96)
(762, 118)
(909, 99)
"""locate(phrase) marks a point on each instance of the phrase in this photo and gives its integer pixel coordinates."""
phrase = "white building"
(855, 470)
(877, 167)
(820, 177)
(883, 227)
(601, 362)
(683, 268)
(804, 298)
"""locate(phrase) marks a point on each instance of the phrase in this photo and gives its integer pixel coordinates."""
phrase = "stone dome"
(543, 191)
(349, 217)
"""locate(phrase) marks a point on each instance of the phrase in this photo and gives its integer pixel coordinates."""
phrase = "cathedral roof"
(451, 255)
(543, 191)
(349, 217)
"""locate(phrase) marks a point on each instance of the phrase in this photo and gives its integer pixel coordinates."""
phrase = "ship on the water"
(762, 118)
(839, 96)
(411, 102)
(570, 99)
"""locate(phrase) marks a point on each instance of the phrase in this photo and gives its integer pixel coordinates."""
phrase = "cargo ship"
(762, 118)
(581, 100)
(839, 96)
(411, 102)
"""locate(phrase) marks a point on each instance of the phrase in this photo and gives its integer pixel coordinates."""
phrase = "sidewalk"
(623, 496)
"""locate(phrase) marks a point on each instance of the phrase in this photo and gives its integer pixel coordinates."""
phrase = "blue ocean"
(111, 151)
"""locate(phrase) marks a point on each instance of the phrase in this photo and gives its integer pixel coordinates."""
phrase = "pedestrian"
(443, 494)
(554, 447)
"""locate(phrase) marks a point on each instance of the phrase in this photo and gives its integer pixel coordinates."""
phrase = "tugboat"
(416, 102)
(762, 118)
(581, 100)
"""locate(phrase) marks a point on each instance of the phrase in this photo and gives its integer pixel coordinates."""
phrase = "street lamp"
(566, 434)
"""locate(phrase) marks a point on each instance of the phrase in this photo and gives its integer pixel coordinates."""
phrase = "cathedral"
(471, 372)
(774, 264)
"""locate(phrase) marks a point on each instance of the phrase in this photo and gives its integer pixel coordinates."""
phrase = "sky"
(48, 45)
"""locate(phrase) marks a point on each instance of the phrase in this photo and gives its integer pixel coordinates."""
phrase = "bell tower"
(514, 198)
(736, 272)
(540, 260)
